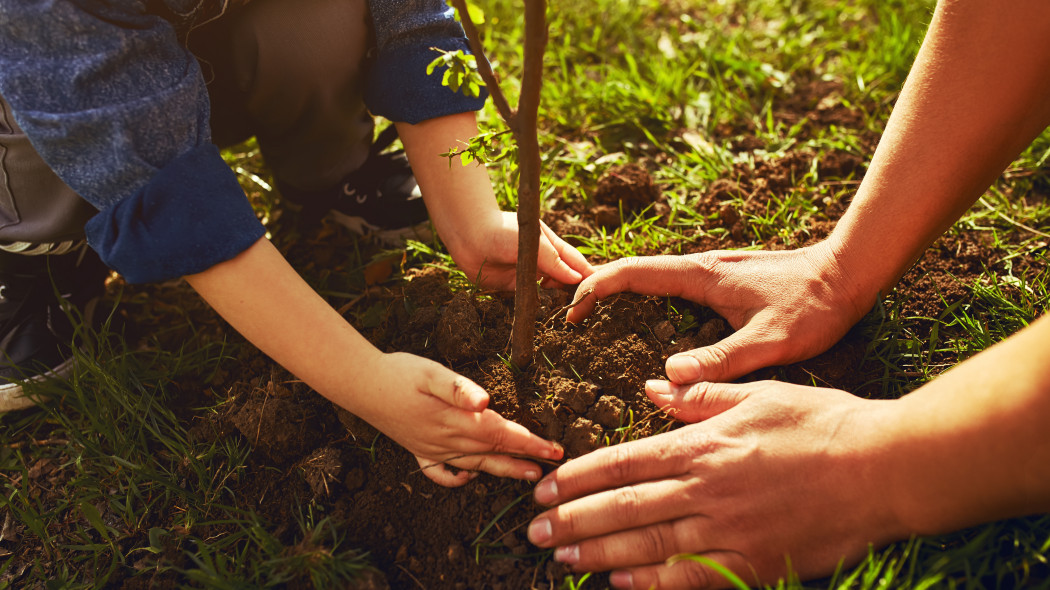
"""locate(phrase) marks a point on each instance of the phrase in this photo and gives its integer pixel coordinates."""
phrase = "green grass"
(659, 80)
(126, 469)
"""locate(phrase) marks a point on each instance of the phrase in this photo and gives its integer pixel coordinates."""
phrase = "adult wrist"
(848, 281)
(879, 458)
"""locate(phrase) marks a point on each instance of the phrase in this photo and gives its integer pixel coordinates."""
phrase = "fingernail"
(540, 531)
(569, 554)
(546, 492)
(621, 580)
(663, 389)
(683, 368)
(532, 475)
(557, 452)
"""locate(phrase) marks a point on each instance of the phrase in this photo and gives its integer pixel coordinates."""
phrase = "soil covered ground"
(585, 389)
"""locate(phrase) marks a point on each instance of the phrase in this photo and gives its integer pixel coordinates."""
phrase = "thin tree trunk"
(522, 121)
(526, 297)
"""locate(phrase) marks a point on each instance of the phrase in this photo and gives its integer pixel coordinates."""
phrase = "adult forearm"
(971, 445)
(975, 97)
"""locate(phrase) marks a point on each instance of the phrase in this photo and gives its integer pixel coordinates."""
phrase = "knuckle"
(496, 434)
(598, 555)
(620, 462)
(654, 543)
(627, 505)
(698, 392)
(694, 575)
(569, 524)
(717, 357)
(706, 262)
(684, 536)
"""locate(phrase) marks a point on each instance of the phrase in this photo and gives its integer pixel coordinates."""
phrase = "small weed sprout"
(710, 563)
(571, 583)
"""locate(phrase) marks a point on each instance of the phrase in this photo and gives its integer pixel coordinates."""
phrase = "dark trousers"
(289, 72)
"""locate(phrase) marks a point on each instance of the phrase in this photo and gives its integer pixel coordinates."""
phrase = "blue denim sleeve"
(406, 33)
(119, 109)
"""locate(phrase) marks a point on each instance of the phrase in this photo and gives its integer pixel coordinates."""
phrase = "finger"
(456, 390)
(550, 263)
(442, 475)
(645, 275)
(696, 402)
(548, 283)
(657, 457)
(748, 349)
(650, 507)
(495, 277)
(503, 436)
(685, 572)
(499, 465)
(568, 253)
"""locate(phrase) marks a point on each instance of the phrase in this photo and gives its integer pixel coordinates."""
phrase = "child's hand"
(481, 239)
(441, 418)
(488, 253)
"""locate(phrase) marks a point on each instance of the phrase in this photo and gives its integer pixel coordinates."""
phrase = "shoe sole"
(12, 395)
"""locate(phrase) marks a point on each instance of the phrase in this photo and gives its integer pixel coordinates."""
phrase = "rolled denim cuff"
(191, 216)
(400, 89)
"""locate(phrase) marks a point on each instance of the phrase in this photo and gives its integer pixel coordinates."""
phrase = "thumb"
(740, 353)
(696, 402)
(458, 391)
(559, 260)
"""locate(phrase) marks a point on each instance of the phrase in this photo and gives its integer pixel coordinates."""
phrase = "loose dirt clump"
(458, 332)
(585, 389)
(622, 190)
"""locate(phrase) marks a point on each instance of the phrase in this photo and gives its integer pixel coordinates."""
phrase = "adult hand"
(487, 252)
(442, 419)
(777, 474)
(785, 306)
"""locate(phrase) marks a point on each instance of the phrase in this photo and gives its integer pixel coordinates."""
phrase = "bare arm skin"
(481, 239)
(976, 96)
(777, 470)
(436, 414)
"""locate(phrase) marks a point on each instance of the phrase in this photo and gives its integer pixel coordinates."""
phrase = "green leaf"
(94, 518)
(156, 540)
(476, 14)
(440, 60)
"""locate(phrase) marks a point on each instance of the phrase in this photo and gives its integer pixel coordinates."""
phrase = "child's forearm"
(974, 99)
(265, 300)
(459, 198)
(439, 416)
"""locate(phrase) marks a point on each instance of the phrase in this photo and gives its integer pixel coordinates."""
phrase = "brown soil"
(585, 389)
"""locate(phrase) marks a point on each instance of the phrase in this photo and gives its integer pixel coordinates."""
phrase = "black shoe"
(36, 335)
(380, 199)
